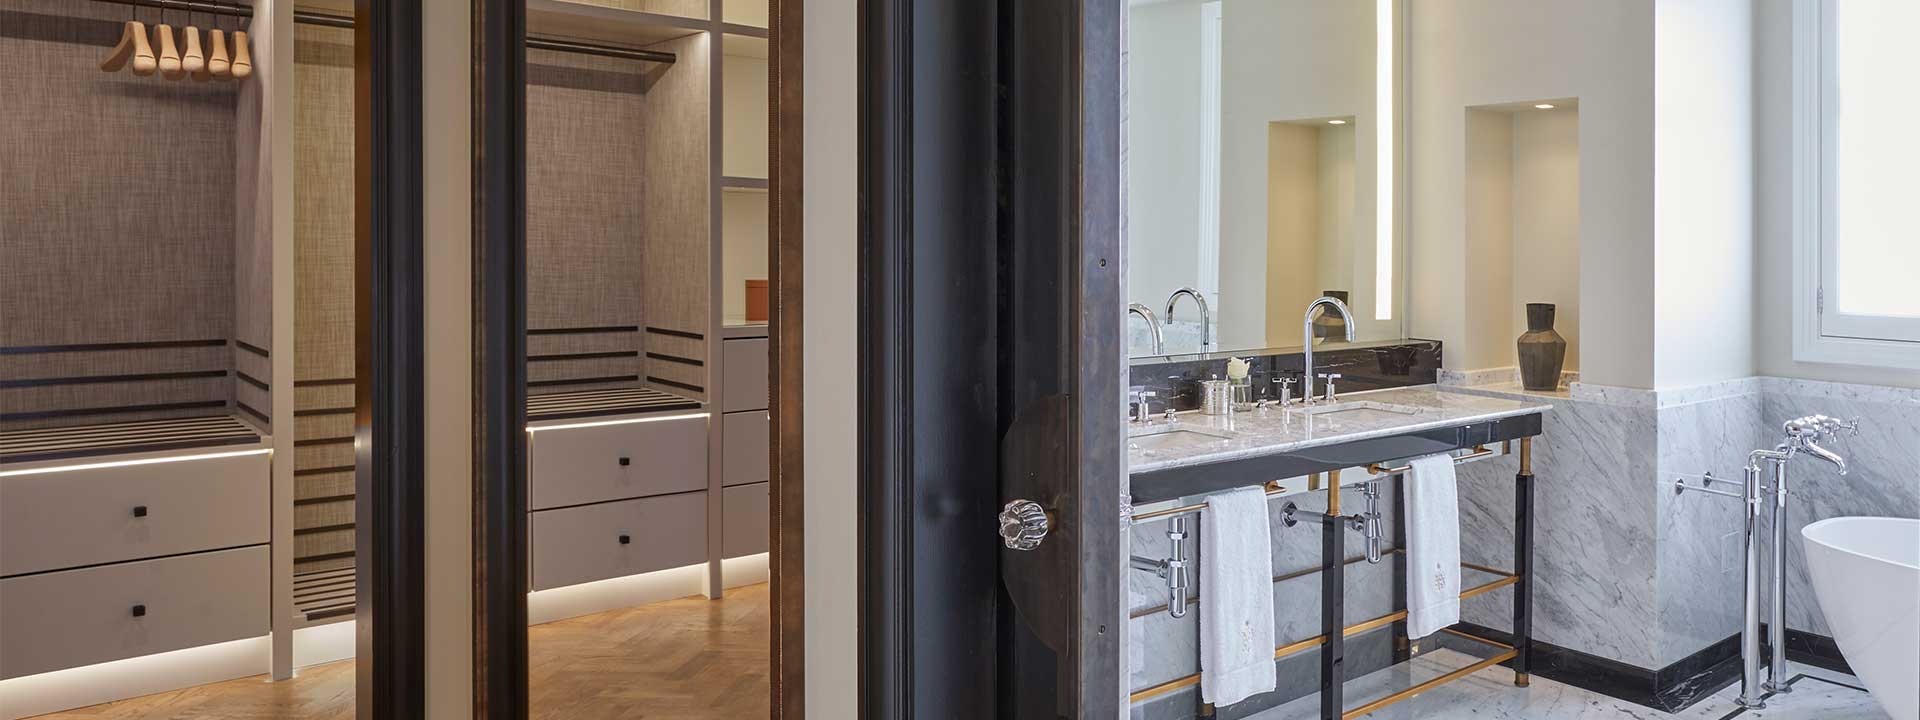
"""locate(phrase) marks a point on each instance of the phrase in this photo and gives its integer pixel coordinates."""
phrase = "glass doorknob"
(1024, 524)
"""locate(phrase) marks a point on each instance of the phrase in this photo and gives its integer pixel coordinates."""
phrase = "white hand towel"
(1236, 618)
(1433, 546)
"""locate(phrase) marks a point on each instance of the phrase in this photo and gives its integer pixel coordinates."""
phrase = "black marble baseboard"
(1672, 688)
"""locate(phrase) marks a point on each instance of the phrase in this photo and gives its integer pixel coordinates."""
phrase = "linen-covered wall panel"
(116, 213)
(323, 213)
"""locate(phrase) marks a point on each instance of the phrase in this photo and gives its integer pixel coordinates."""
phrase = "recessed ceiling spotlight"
(1544, 106)
(1336, 122)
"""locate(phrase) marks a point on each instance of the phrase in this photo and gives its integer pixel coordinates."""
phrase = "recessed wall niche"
(1310, 221)
(1523, 225)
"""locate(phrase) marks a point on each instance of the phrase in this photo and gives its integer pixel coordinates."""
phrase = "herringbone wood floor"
(686, 658)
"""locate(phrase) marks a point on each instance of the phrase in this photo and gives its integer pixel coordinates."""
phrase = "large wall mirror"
(1260, 150)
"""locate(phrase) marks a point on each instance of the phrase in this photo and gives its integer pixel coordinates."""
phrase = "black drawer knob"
(625, 461)
(139, 511)
(139, 611)
(626, 539)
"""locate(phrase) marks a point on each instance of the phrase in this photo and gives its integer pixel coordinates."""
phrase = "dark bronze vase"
(1542, 351)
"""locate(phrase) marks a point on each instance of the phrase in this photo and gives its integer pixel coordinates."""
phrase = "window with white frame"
(1857, 149)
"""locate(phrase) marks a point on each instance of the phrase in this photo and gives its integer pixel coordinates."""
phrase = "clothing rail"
(1275, 489)
(305, 17)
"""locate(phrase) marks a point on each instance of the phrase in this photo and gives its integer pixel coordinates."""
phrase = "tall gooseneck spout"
(1153, 325)
(1306, 337)
(1206, 315)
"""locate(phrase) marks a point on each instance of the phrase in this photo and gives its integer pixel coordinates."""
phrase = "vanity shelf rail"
(1275, 489)
(1506, 579)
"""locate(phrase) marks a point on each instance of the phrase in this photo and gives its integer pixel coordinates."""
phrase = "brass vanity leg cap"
(1522, 680)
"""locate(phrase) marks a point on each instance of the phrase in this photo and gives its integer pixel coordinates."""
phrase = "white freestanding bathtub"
(1866, 572)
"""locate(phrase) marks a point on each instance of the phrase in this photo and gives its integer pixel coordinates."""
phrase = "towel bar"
(1274, 488)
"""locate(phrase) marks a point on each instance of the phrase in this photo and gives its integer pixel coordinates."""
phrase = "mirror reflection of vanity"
(1254, 177)
(1261, 145)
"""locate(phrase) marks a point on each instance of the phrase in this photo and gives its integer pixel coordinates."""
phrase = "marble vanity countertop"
(1274, 430)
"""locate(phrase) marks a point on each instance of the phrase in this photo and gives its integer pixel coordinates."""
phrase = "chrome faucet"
(1206, 316)
(1802, 435)
(1153, 325)
(1805, 434)
(1306, 340)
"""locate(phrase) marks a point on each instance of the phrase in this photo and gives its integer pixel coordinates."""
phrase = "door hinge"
(1820, 300)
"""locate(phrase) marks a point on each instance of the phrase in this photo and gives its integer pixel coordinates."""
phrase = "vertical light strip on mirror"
(1384, 128)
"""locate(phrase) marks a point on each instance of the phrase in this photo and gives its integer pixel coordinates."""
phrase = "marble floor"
(1490, 695)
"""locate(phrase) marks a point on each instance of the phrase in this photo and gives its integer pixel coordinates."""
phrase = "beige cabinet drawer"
(57, 520)
(53, 621)
(743, 517)
(744, 441)
(744, 363)
(575, 466)
(574, 545)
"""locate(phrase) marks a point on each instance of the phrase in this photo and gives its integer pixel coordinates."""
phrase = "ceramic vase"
(1542, 351)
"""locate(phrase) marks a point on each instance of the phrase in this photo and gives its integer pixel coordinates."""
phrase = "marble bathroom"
(1651, 171)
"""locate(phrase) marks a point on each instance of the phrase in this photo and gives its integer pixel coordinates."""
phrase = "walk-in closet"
(647, 388)
(143, 350)
(178, 410)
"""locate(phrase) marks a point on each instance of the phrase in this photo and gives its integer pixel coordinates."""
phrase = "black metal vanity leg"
(1402, 645)
(1523, 566)
(1333, 652)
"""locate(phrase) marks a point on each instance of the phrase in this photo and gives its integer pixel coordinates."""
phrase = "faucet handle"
(1286, 389)
(1329, 378)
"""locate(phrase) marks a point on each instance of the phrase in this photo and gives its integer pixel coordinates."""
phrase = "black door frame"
(990, 313)
(500, 663)
(389, 281)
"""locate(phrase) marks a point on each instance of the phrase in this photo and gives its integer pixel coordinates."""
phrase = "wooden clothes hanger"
(217, 63)
(193, 61)
(242, 58)
(169, 55)
(133, 46)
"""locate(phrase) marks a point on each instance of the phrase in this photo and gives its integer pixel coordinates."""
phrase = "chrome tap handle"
(1024, 524)
(1286, 390)
(1329, 378)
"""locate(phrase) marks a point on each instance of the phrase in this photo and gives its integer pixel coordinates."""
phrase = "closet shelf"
(743, 184)
(592, 403)
(608, 24)
(128, 437)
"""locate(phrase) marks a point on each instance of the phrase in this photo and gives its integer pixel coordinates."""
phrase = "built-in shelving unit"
(1523, 225)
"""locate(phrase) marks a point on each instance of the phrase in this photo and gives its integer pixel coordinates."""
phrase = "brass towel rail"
(1275, 489)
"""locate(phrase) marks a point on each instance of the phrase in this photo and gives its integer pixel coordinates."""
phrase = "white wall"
(1773, 210)
(1485, 52)
(1703, 191)
(1163, 167)
(830, 271)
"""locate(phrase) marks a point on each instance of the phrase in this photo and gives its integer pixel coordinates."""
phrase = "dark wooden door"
(991, 359)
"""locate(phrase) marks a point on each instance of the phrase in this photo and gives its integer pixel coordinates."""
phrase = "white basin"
(1170, 438)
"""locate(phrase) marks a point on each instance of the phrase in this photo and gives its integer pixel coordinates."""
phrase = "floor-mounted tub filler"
(1866, 572)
